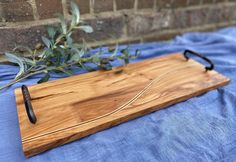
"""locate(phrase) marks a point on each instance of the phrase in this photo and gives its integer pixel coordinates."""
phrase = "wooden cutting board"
(71, 108)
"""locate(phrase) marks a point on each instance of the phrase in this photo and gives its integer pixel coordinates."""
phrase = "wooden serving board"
(71, 108)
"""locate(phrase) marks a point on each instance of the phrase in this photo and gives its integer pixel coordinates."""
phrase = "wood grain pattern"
(71, 108)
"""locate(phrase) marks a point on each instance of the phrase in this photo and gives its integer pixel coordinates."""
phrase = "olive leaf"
(75, 13)
(51, 31)
(114, 50)
(44, 79)
(63, 24)
(28, 62)
(66, 71)
(86, 28)
(46, 41)
(61, 53)
(77, 54)
(69, 41)
(125, 55)
(17, 60)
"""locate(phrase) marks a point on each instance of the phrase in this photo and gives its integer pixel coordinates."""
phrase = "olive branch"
(61, 53)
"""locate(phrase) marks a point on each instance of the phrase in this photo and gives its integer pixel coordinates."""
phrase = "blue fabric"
(200, 129)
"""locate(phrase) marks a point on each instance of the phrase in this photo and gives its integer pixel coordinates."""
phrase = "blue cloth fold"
(200, 129)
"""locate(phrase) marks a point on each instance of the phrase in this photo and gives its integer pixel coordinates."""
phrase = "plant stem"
(28, 74)
(20, 79)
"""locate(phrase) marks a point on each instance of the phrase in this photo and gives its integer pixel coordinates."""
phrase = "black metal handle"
(28, 105)
(211, 67)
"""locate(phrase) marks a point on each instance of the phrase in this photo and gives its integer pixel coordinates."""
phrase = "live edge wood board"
(75, 107)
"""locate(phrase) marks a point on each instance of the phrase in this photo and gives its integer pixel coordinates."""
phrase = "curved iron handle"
(211, 67)
(28, 105)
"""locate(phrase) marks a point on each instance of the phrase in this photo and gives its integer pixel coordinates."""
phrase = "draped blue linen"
(200, 129)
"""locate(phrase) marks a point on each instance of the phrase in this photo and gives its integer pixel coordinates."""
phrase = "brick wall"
(125, 21)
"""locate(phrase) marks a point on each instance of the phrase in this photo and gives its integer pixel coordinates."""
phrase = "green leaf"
(26, 60)
(68, 72)
(75, 58)
(81, 53)
(88, 68)
(61, 54)
(69, 41)
(73, 22)
(44, 79)
(77, 54)
(29, 62)
(96, 59)
(63, 24)
(75, 13)
(46, 41)
(58, 58)
(17, 60)
(51, 31)
(46, 53)
(125, 55)
(115, 51)
(85, 28)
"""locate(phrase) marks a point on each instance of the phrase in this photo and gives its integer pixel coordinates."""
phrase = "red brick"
(104, 28)
(48, 8)
(121, 4)
(103, 5)
(18, 10)
(138, 24)
(163, 4)
(194, 2)
(197, 17)
(190, 18)
(221, 14)
(20, 36)
(145, 4)
(144, 24)
(207, 1)
(180, 3)
(84, 6)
